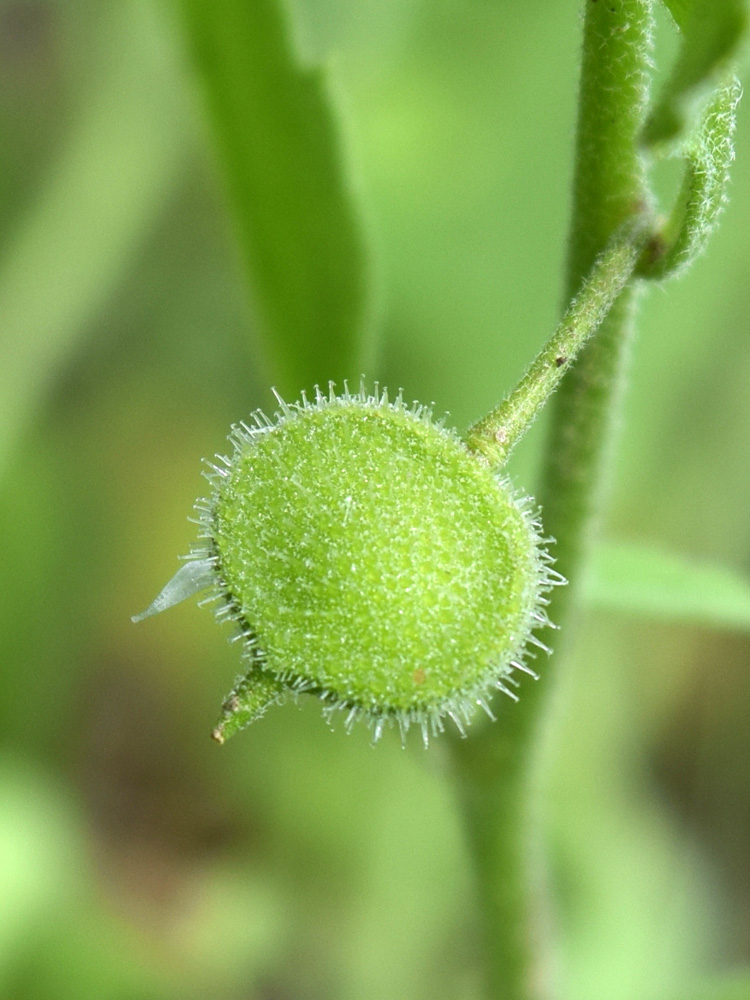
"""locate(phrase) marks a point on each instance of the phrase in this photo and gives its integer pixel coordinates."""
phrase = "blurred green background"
(139, 861)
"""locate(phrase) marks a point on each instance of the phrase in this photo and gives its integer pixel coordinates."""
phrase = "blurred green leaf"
(98, 202)
(713, 33)
(709, 156)
(737, 988)
(679, 10)
(666, 587)
(39, 857)
(294, 205)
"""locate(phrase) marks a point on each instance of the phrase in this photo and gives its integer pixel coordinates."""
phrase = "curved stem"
(496, 767)
(708, 155)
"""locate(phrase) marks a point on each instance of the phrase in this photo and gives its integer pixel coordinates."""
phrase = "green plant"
(369, 556)
(616, 234)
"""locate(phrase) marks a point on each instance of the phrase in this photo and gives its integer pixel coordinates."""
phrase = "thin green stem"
(495, 435)
(497, 767)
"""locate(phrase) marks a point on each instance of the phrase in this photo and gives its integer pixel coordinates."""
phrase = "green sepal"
(252, 694)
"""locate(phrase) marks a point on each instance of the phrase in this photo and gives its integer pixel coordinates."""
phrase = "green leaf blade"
(665, 587)
(296, 214)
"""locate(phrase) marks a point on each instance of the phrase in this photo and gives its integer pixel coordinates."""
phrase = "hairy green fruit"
(371, 559)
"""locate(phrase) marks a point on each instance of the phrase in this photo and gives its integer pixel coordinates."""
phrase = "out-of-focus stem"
(495, 766)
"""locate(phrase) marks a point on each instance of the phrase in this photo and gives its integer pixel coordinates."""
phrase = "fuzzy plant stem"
(610, 188)
(496, 767)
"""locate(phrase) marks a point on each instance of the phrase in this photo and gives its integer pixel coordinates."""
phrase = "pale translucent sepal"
(192, 577)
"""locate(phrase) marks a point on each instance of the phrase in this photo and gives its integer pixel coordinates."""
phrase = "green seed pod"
(369, 558)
